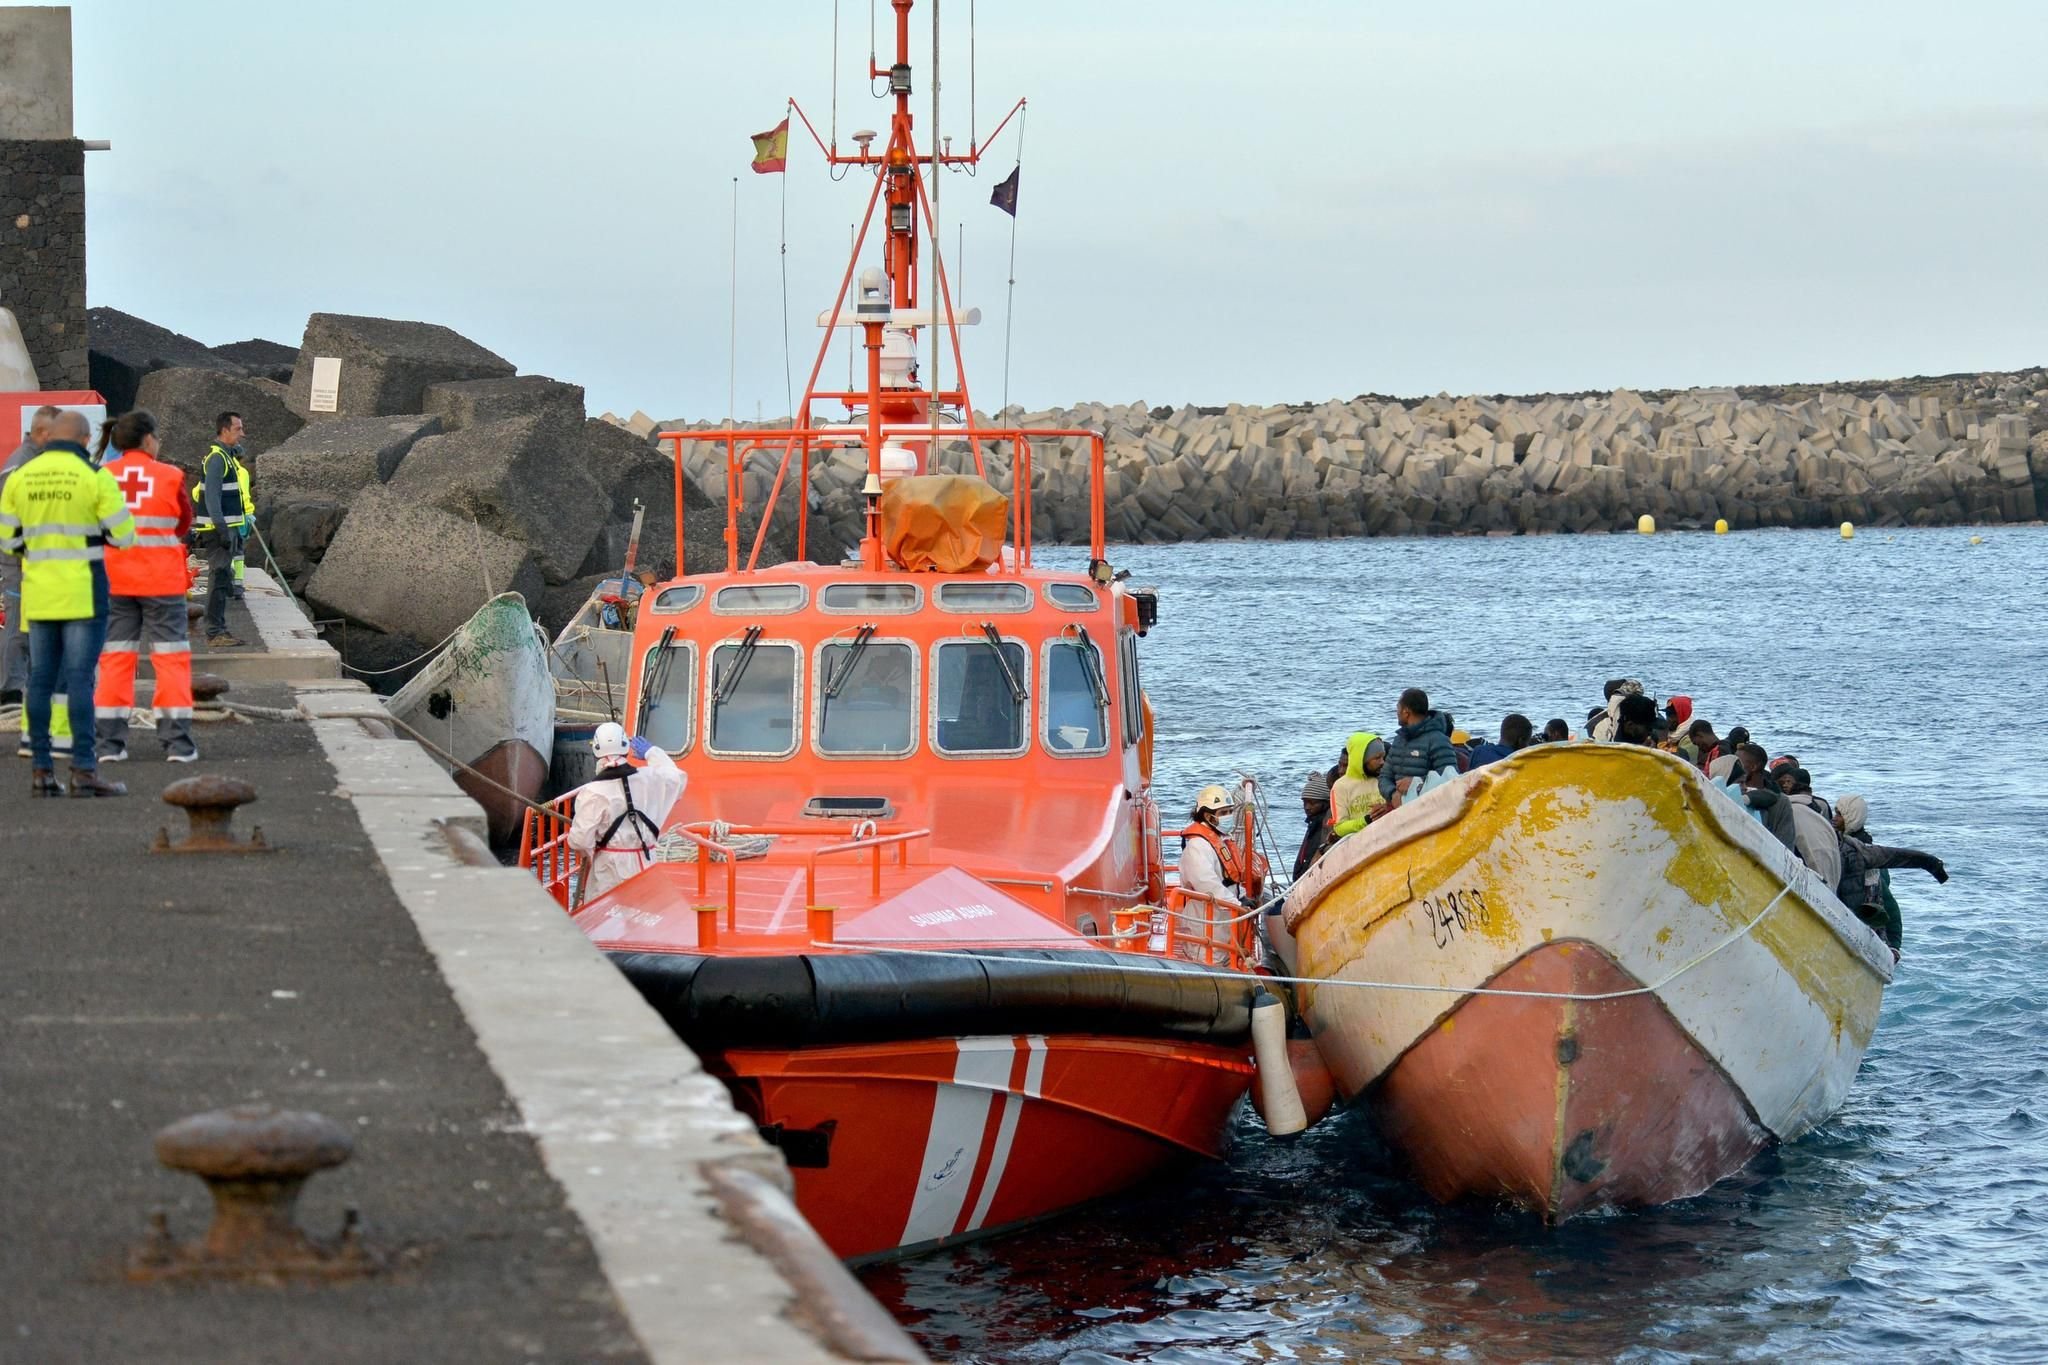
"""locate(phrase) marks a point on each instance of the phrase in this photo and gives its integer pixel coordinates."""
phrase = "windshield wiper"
(1091, 665)
(994, 640)
(737, 669)
(839, 679)
(656, 680)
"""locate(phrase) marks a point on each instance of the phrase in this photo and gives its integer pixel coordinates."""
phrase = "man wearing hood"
(1355, 798)
(1603, 725)
(1420, 747)
(1863, 886)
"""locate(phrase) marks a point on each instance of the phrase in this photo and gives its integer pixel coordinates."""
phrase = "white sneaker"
(188, 754)
(114, 753)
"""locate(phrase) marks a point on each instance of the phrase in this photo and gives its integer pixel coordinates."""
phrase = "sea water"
(1910, 667)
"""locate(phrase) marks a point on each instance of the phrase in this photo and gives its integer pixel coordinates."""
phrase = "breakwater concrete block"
(264, 359)
(386, 364)
(185, 403)
(405, 567)
(298, 528)
(518, 479)
(124, 349)
(339, 459)
(465, 402)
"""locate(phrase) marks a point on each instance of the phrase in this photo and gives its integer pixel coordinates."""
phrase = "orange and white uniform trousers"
(157, 626)
(146, 606)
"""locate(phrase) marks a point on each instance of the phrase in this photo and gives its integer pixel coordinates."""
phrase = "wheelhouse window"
(758, 599)
(1076, 698)
(668, 695)
(1131, 689)
(881, 599)
(1072, 596)
(670, 601)
(867, 696)
(984, 597)
(981, 697)
(751, 698)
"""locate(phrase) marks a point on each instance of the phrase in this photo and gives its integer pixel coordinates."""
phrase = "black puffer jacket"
(1418, 750)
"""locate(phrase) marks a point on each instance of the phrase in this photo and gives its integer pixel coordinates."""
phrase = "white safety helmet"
(610, 741)
(1214, 797)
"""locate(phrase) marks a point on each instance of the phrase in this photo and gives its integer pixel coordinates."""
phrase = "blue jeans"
(66, 651)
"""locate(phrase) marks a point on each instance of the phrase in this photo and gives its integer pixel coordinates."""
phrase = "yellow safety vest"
(236, 504)
(50, 507)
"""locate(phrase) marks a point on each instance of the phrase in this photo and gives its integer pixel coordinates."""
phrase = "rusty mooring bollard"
(209, 804)
(254, 1159)
(207, 687)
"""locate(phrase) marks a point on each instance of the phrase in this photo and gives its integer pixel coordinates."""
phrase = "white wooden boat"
(488, 698)
(1688, 990)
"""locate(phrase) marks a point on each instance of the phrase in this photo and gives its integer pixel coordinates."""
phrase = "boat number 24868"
(1451, 913)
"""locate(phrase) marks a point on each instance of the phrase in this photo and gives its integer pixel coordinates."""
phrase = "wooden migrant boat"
(488, 699)
(912, 905)
(1602, 983)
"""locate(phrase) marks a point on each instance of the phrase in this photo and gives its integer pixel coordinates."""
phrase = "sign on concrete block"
(326, 396)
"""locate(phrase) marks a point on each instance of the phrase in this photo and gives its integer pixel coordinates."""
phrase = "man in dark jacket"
(1756, 791)
(1420, 747)
(1315, 809)
(1515, 733)
(1862, 887)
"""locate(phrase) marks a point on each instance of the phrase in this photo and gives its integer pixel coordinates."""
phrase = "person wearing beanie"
(1315, 809)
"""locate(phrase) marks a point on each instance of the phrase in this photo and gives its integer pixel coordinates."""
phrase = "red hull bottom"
(1562, 1105)
(906, 1146)
(512, 763)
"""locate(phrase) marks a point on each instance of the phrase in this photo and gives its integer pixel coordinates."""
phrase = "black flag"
(1005, 196)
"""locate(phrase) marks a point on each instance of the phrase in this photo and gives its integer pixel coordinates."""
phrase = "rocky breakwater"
(1911, 452)
(429, 476)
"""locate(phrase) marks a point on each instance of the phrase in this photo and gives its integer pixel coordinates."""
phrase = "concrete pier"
(549, 1172)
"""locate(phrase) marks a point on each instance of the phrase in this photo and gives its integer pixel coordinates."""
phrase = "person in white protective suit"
(619, 813)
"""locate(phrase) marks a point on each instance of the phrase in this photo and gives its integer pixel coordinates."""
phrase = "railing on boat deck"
(799, 442)
(1191, 926)
(1194, 927)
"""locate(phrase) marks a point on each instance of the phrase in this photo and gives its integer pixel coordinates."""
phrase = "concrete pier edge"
(688, 1209)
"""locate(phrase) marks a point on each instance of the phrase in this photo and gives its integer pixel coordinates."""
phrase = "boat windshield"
(979, 710)
(668, 695)
(753, 698)
(867, 697)
(1076, 699)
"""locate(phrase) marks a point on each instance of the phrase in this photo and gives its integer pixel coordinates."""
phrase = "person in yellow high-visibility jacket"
(50, 512)
(220, 499)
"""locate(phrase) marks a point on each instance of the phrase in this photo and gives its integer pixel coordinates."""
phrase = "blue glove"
(640, 747)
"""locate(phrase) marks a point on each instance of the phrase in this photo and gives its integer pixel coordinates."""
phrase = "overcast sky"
(1220, 201)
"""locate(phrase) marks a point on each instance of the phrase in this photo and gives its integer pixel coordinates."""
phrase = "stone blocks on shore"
(466, 402)
(338, 459)
(186, 402)
(263, 359)
(517, 479)
(124, 349)
(386, 364)
(408, 568)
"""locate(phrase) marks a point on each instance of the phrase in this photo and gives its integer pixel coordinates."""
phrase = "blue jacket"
(1490, 752)
(1418, 750)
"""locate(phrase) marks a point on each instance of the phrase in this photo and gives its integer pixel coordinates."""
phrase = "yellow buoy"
(1646, 525)
(1848, 531)
(1721, 526)
(1976, 540)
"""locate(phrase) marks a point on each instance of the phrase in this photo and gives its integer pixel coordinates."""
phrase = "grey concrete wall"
(35, 72)
(42, 250)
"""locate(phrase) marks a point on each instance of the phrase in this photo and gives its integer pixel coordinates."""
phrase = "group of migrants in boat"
(1375, 774)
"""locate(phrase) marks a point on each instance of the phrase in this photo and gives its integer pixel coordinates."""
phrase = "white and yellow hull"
(1562, 873)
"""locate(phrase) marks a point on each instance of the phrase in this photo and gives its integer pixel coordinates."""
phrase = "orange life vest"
(154, 566)
(1234, 875)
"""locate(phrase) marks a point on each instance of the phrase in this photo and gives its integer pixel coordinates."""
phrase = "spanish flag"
(771, 149)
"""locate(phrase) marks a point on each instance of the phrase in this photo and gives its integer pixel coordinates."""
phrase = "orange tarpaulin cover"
(951, 523)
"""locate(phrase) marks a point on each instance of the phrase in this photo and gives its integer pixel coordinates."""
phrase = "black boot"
(86, 782)
(43, 782)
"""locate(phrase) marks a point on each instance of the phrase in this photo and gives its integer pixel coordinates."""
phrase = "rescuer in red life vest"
(146, 584)
(1211, 864)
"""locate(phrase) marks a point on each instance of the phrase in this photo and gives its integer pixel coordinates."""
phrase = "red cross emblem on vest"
(136, 485)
